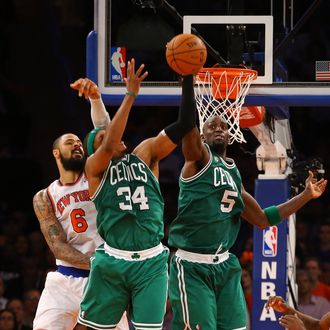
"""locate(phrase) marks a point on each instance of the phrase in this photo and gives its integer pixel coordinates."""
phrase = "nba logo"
(269, 244)
(117, 64)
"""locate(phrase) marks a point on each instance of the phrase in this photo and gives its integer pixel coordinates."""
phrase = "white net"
(221, 92)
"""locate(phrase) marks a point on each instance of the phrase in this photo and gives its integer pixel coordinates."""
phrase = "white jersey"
(76, 214)
(58, 307)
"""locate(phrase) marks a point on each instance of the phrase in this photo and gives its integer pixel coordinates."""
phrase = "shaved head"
(57, 142)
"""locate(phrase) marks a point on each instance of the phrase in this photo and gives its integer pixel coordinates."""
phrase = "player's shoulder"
(42, 205)
(143, 144)
(41, 196)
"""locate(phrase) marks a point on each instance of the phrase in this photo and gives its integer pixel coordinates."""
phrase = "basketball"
(186, 54)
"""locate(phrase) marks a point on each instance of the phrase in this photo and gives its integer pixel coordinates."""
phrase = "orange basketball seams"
(186, 54)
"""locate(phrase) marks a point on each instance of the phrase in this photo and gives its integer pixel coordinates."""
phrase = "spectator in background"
(30, 303)
(246, 258)
(3, 299)
(320, 289)
(246, 281)
(326, 272)
(7, 320)
(304, 248)
(323, 242)
(22, 246)
(31, 272)
(37, 245)
(16, 305)
(308, 303)
(9, 270)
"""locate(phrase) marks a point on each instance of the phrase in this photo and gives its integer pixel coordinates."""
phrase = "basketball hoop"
(221, 92)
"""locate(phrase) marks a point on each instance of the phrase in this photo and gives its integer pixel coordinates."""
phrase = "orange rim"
(230, 87)
(216, 72)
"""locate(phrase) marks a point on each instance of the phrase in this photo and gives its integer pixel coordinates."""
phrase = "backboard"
(264, 36)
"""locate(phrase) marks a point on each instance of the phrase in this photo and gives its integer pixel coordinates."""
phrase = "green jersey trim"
(101, 183)
(228, 165)
(202, 171)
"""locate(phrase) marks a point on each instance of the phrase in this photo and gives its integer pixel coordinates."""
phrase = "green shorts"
(114, 283)
(207, 296)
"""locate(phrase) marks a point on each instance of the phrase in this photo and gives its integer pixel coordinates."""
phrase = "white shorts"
(59, 304)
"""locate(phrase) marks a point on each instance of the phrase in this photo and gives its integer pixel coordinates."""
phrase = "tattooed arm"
(54, 234)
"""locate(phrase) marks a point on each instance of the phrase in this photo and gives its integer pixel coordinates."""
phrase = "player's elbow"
(58, 250)
(257, 220)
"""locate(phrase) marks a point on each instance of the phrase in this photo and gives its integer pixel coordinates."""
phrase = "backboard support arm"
(297, 27)
(271, 157)
(178, 18)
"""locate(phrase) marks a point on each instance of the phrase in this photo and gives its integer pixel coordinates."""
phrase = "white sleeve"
(100, 116)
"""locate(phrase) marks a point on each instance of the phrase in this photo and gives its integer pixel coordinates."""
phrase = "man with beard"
(67, 220)
(211, 201)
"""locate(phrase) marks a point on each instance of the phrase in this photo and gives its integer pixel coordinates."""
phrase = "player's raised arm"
(88, 89)
(54, 233)
(154, 149)
(193, 148)
(112, 146)
(273, 215)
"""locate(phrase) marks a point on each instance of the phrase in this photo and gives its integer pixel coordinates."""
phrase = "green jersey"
(209, 208)
(130, 205)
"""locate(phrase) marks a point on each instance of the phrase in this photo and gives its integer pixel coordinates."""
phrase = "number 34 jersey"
(76, 214)
(209, 208)
(130, 205)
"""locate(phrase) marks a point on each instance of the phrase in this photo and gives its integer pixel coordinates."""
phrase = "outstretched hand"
(86, 88)
(277, 303)
(291, 322)
(134, 79)
(313, 187)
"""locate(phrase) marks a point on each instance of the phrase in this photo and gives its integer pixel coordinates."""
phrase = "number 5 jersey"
(209, 208)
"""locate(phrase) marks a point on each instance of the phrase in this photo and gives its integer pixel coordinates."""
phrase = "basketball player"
(131, 267)
(292, 318)
(67, 220)
(204, 287)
